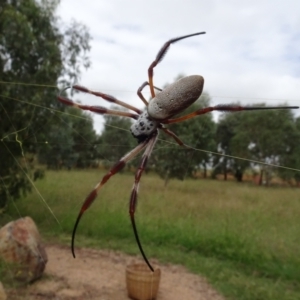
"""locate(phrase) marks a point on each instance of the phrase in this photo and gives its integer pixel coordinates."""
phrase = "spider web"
(47, 211)
(59, 114)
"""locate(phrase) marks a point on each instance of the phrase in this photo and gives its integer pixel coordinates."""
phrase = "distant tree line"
(236, 143)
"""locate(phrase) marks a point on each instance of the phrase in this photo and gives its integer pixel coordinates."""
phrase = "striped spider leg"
(147, 143)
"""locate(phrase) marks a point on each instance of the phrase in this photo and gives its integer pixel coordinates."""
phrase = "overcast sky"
(250, 53)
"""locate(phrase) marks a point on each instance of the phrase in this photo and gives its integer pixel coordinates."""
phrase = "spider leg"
(139, 92)
(160, 55)
(98, 109)
(133, 198)
(107, 97)
(224, 108)
(92, 196)
(175, 137)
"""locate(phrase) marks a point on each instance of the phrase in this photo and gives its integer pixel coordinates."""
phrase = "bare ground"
(100, 274)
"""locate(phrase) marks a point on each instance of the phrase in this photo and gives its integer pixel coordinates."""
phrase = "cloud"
(251, 49)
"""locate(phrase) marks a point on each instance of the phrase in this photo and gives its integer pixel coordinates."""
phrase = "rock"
(20, 245)
(2, 292)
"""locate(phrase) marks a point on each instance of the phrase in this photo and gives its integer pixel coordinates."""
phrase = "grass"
(244, 239)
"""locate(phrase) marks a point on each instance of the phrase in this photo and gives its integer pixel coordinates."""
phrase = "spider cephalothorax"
(143, 127)
(159, 111)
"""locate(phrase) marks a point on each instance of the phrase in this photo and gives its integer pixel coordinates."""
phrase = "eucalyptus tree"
(36, 50)
(171, 161)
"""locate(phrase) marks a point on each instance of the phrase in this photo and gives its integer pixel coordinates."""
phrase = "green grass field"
(243, 238)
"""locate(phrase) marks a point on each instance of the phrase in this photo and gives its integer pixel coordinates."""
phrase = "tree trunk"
(225, 169)
(225, 173)
(239, 175)
(204, 171)
(261, 177)
(166, 179)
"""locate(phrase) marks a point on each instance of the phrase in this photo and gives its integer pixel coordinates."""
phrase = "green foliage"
(84, 137)
(33, 50)
(115, 140)
(271, 137)
(71, 141)
(226, 130)
(173, 161)
(263, 136)
(291, 152)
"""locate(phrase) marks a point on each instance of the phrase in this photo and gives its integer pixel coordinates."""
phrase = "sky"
(250, 52)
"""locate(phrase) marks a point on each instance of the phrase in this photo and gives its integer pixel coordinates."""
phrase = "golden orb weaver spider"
(159, 111)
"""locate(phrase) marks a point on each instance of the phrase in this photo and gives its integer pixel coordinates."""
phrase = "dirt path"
(100, 274)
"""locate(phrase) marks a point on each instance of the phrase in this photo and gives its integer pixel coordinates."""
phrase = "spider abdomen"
(176, 97)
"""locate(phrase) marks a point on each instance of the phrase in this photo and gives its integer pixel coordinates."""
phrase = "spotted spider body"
(143, 127)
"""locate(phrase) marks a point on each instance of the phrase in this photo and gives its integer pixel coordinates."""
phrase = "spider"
(159, 111)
